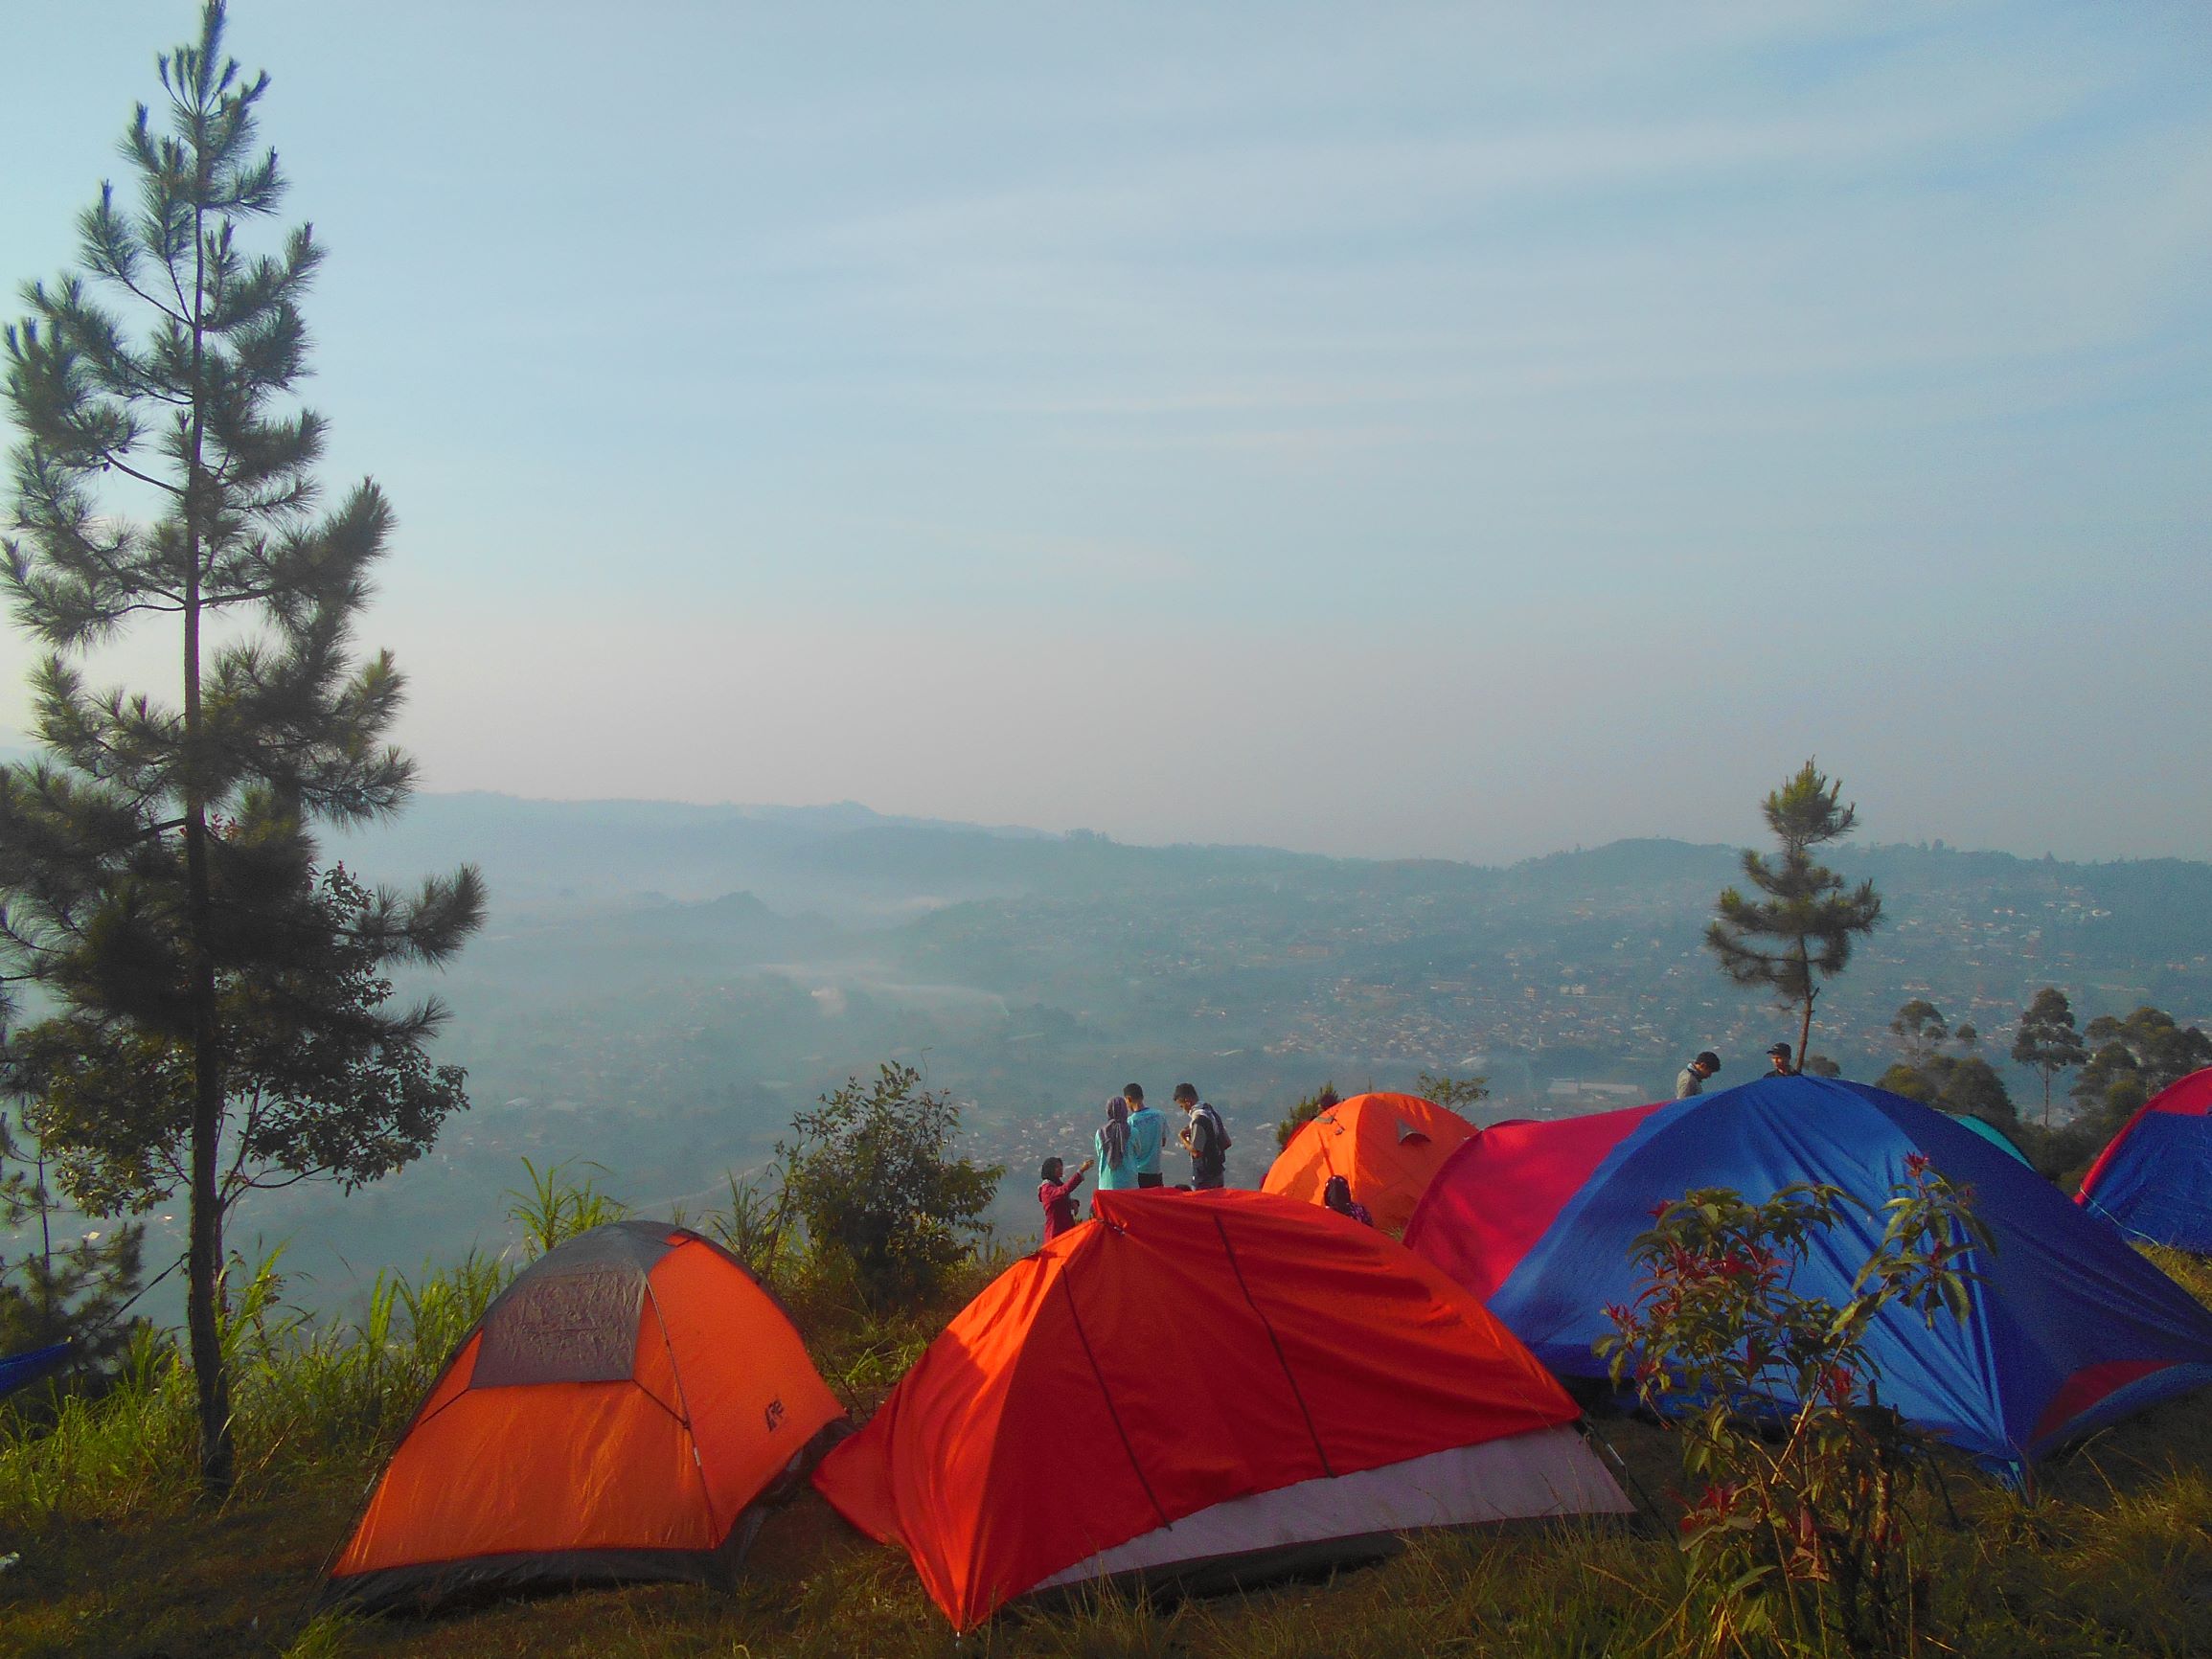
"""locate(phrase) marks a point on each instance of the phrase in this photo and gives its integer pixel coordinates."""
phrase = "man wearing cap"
(1779, 1054)
(1692, 1079)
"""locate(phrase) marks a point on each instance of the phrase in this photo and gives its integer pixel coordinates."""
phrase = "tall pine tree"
(223, 997)
(1800, 930)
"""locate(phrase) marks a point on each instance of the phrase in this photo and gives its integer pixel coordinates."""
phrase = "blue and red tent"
(2069, 1328)
(2154, 1180)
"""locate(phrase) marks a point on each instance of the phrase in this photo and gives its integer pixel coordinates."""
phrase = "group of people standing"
(1127, 1151)
(1691, 1078)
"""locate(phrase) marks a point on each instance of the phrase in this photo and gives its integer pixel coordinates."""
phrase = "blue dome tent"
(2069, 1328)
(2153, 1181)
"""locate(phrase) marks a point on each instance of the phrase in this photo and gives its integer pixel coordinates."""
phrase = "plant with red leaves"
(1799, 1535)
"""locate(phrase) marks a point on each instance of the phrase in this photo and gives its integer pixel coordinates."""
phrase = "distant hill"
(661, 986)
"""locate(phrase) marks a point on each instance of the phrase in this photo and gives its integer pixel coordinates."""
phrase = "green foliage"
(555, 1205)
(2047, 1042)
(1807, 914)
(1820, 1066)
(323, 1083)
(2132, 1059)
(75, 1292)
(1962, 1084)
(1454, 1094)
(1920, 1029)
(872, 1176)
(2104, 1560)
(308, 1397)
(1320, 1100)
(1968, 1087)
(1800, 1531)
(220, 997)
(753, 1227)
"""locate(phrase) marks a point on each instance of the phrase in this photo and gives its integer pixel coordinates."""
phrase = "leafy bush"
(872, 1177)
(1801, 1528)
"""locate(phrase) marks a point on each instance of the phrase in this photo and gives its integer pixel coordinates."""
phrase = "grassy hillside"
(2111, 1555)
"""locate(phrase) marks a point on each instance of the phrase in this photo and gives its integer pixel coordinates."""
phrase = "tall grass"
(2112, 1554)
(302, 1396)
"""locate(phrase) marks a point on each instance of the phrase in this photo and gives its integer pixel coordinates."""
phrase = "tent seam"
(683, 1416)
(1276, 1343)
(1106, 1394)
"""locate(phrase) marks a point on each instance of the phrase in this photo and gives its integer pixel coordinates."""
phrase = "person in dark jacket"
(1205, 1137)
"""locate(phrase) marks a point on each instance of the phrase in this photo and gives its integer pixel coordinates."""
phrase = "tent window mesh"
(575, 1327)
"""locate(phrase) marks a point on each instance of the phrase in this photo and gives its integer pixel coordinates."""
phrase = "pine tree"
(222, 1018)
(1807, 912)
(2046, 1041)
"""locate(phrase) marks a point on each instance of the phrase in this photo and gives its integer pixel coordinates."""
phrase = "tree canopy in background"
(2130, 1060)
(2045, 1040)
(1962, 1084)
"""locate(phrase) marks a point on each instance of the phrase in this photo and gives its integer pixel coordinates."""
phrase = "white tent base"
(1548, 1474)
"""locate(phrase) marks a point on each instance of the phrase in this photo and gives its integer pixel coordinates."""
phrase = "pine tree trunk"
(204, 1265)
(218, 1461)
(1803, 1033)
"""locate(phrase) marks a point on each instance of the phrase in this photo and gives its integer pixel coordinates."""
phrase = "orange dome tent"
(1388, 1147)
(615, 1413)
(1206, 1386)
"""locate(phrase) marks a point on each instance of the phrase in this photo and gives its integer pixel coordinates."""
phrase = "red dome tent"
(613, 1416)
(1386, 1146)
(1206, 1385)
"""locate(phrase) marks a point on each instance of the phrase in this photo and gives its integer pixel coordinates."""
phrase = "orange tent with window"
(615, 1414)
(1388, 1147)
(1206, 1386)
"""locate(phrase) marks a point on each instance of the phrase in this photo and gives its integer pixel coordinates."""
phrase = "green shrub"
(1800, 1531)
(873, 1178)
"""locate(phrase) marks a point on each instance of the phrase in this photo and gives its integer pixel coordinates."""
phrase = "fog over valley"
(661, 986)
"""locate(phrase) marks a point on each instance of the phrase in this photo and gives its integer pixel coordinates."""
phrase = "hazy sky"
(1463, 431)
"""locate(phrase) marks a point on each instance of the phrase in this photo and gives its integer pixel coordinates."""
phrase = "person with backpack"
(1205, 1137)
(1116, 1147)
(1147, 1133)
(1058, 1196)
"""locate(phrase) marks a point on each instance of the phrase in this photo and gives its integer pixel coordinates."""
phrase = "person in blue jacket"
(1148, 1134)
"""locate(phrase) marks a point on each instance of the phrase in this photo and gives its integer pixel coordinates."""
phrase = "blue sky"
(1384, 430)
